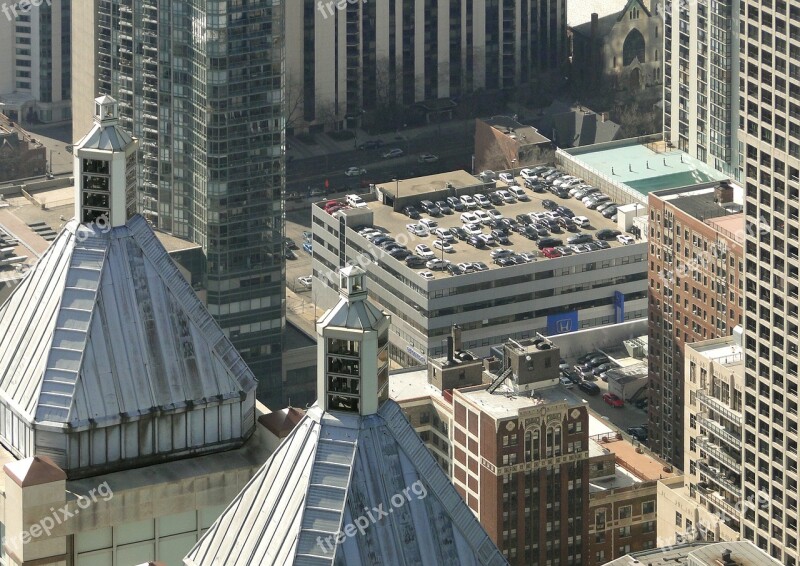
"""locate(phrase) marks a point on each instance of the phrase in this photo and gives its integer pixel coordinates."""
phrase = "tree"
(294, 98)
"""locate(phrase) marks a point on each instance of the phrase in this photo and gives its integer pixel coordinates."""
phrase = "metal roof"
(105, 329)
(332, 472)
(106, 138)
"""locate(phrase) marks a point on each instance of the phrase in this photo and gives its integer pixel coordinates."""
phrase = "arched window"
(633, 48)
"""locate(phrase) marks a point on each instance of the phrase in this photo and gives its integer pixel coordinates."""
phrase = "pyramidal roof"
(104, 330)
(368, 479)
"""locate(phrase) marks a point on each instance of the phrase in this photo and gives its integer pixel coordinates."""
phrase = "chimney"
(595, 25)
(726, 557)
(723, 193)
(450, 349)
(603, 116)
(456, 333)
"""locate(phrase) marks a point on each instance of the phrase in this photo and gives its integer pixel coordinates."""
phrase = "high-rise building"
(696, 240)
(202, 90)
(35, 69)
(701, 81)
(770, 134)
(347, 57)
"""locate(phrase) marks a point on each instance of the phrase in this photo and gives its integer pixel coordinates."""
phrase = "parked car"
(399, 253)
(535, 186)
(459, 233)
(613, 400)
(625, 240)
(507, 197)
(427, 158)
(477, 242)
(469, 202)
(483, 216)
(444, 246)
(454, 269)
(426, 275)
(610, 212)
(371, 144)
(445, 235)
(428, 223)
(588, 356)
(482, 200)
(437, 264)
(595, 202)
(456, 204)
(466, 267)
(581, 221)
(607, 234)
(501, 237)
(392, 153)
(469, 218)
(423, 251)
(355, 201)
(507, 178)
(549, 243)
(480, 266)
(500, 252)
(443, 207)
(488, 175)
(566, 382)
(589, 387)
(580, 239)
(415, 261)
(494, 198)
(430, 208)
(289, 244)
(417, 229)
(307, 247)
(411, 212)
(601, 369)
(355, 171)
(530, 232)
(305, 281)
(549, 204)
(473, 229)
(551, 253)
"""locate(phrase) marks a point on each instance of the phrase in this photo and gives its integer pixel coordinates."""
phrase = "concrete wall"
(605, 337)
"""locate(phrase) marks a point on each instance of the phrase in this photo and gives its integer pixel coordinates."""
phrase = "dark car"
(453, 269)
(411, 212)
(530, 232)
(571, 375)
(549, 243)
(415, 261)
(444, 207)
(524, 219)
(477, 242)
(607, 234)
(554, 227)
(561, 192)
(459, 233)
(589, 388)
(495, 199)
(456, 204)
(504, 261)
(371, 144)
(400, 253)
(549, 204)
(509, 224)
(609, 212)
(588, 356)
(564, 211)
(500, 236)
(580, 239)
(638, 433)
(535, 186)
(430, 208)
(598, 361)
(289, 254)
(601, 369)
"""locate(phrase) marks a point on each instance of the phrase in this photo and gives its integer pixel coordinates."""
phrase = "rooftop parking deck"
(395, 223)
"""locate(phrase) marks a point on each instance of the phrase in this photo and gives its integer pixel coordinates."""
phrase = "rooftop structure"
(489, 305)
(104, 338)
(502, 143)
(351, 454)
(739, 553)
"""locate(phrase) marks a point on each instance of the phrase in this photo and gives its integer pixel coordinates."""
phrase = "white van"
(355, 201)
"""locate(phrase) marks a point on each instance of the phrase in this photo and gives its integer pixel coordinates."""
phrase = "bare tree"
(295, 100)
(328, 113)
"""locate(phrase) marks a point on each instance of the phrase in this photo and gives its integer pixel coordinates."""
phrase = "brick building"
(20, 157)
(694, 276)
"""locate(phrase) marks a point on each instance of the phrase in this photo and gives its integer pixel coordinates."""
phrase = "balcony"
(716, 452)
(718, 406)
(713, 427)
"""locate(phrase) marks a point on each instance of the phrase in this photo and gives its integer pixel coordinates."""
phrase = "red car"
(613, 400)
(551, 253)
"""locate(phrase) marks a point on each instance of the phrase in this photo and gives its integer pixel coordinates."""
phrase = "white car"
(483, 216)
(426, 275)
(565, 179)
(469, 218)
(473, 229)
(355, 201)
(417, 229)
(427, 158)
(305, 281)
(507, 178)
(469, 202)
(487, 239)
(519, 194)
(625, 240)
(355, 172)
(494, 213)
(424, 252)
(506, 196)
(444, 235)
(566, 382)
(581, 221)
(466, 267)
(527, 174)
(428, 223)
(482, 200)
(444, 246)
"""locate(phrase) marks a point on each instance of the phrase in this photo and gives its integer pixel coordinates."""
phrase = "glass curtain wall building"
(200, 84)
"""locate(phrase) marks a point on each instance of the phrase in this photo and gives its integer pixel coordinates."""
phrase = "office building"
(35, 61)
(770, 134)
(740, 553)
(705, 504)
(347, 58)
(551, 296)
(122, 403)
(696, 260)
(701, 82)
(203, 93)
(351, 483)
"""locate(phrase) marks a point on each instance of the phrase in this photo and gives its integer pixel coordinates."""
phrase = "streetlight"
(513, 162)
(396, 190)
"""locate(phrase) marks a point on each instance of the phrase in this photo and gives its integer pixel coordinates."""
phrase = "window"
(678, 519)
(648, 507)
(624, 512)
